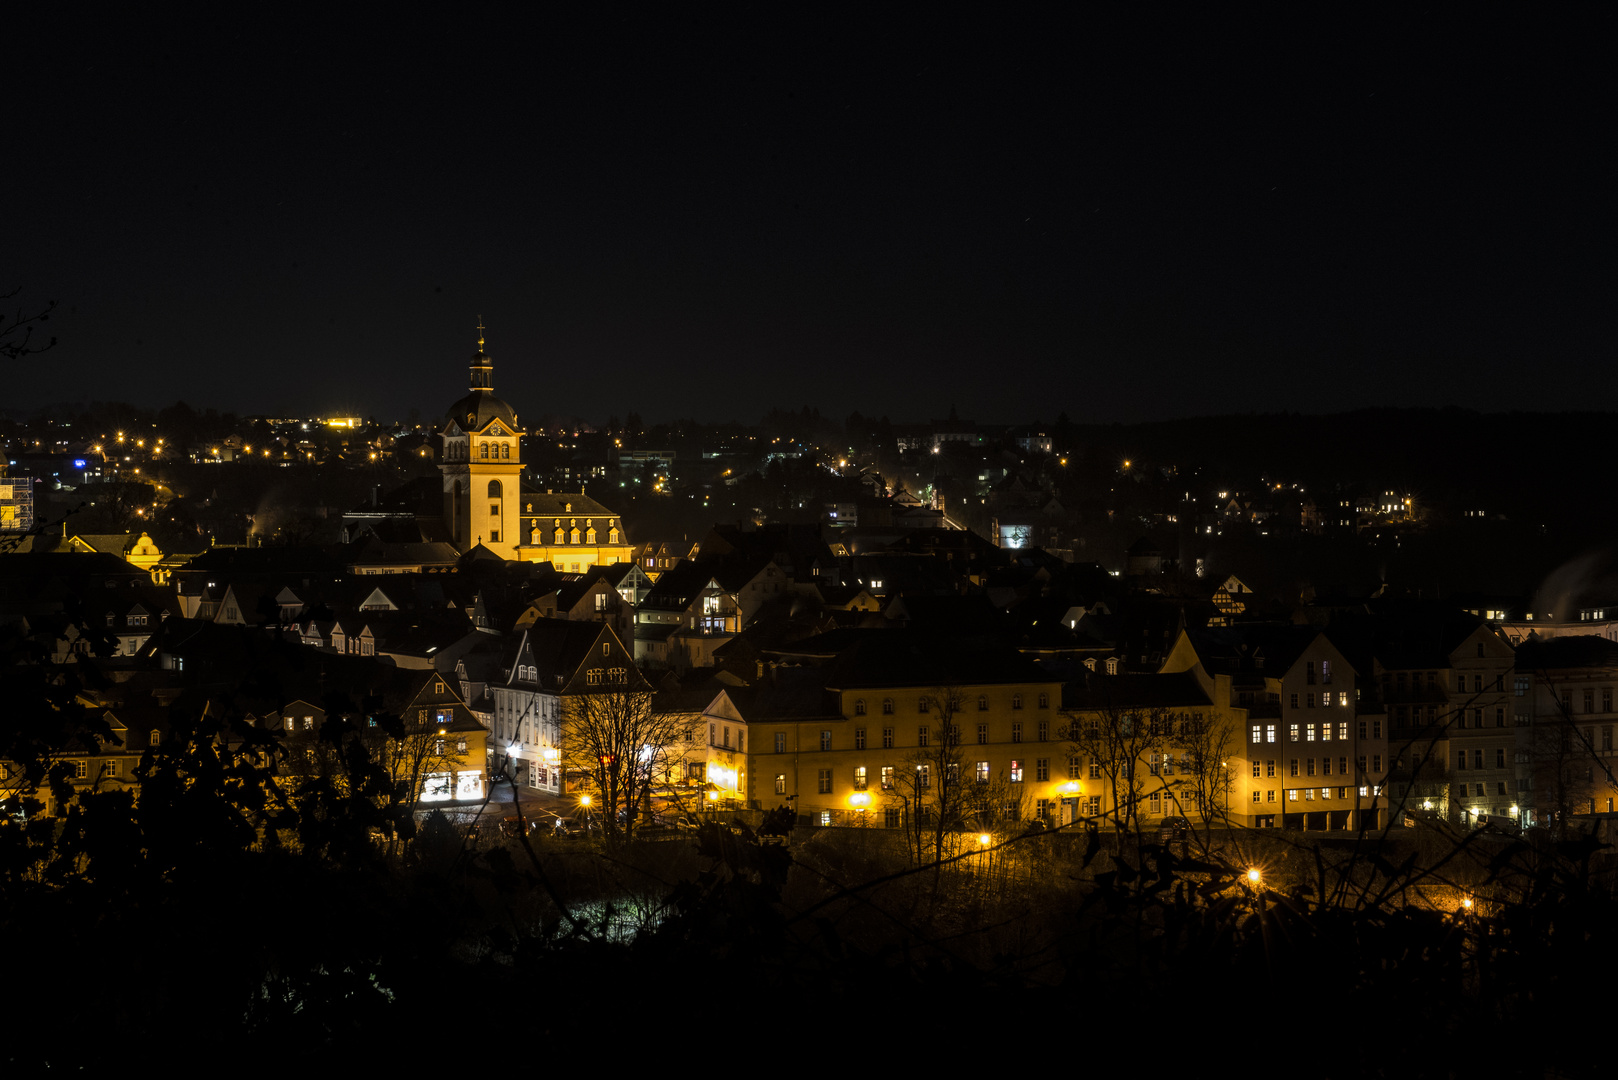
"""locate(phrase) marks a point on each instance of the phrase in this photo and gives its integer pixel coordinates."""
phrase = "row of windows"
(713, 737)
(1265, 733)
(925, 704)
(1477, 758)
(981, 772)
(1589, 700)
(1325, 794)
(1325, 699)
(1325, 673)
(1481, 791)
(561, 537)
(1461, 718)
(1397, 682)
(613, 676)
(923, 736)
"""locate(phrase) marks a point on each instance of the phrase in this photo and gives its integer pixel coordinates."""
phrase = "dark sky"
(1123, 216)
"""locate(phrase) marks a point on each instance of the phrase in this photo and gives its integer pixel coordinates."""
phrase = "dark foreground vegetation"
(226, 918)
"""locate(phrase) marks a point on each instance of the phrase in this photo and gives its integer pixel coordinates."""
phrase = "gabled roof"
(561, 650)
(1267, 650)
(678, 586)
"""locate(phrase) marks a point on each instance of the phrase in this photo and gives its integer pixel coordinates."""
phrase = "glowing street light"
(1254, 875)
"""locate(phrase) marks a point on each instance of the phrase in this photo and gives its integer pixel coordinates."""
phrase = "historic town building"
(482, 464)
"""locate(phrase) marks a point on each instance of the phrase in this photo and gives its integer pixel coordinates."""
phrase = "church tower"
(482, 465)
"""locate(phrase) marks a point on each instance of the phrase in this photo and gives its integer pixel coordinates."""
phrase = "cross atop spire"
(480, 333)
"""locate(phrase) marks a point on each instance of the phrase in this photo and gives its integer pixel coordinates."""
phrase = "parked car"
(573, 829)
(1174, 830)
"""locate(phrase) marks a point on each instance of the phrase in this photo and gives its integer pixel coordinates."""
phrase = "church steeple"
(481, 369)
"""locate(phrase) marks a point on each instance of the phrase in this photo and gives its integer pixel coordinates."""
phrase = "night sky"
(1125, 216)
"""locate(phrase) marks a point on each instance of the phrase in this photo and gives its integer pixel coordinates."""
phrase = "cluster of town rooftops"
(805, 677)
(808, 673)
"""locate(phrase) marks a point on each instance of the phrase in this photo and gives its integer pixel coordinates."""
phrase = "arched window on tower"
(494, 489)
(483, 450)
(505, 451)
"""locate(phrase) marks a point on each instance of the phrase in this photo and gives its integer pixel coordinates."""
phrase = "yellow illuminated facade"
(482, 465)
(572, 532)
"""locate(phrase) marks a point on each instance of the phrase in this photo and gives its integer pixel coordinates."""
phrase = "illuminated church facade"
(484, 501)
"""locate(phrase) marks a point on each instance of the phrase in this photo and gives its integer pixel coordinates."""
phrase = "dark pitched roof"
(788, 694)
(1269, 650)
(898, 658)
(1098, 691)
(1402, 634)
(1574, 651)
